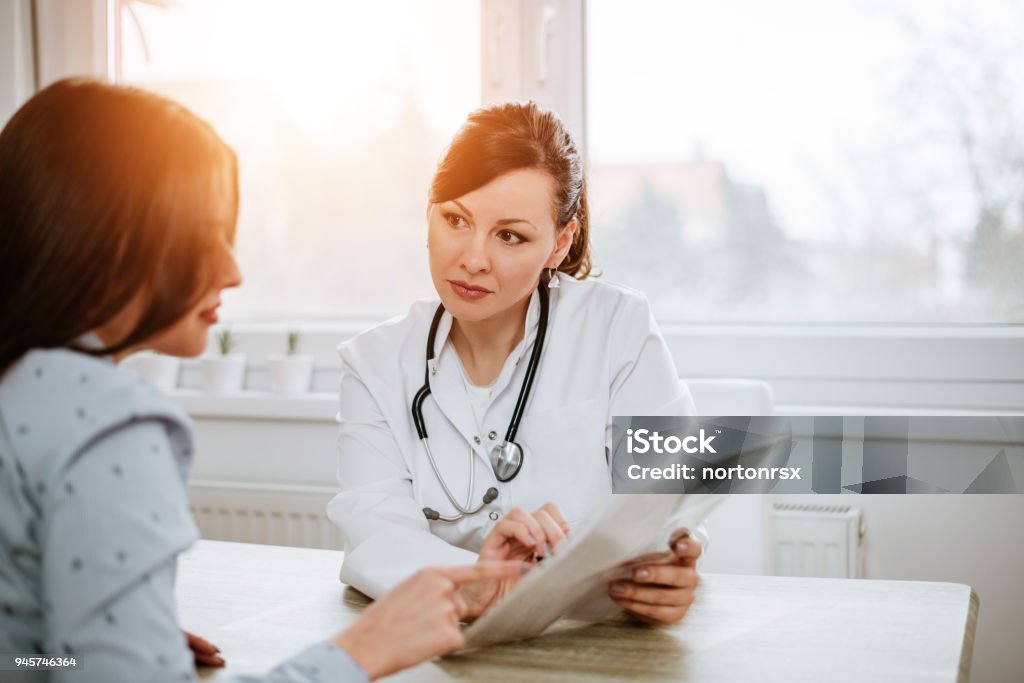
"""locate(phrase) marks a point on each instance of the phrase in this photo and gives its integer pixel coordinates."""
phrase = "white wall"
(740, 535)
(265, 451)
(17, 81)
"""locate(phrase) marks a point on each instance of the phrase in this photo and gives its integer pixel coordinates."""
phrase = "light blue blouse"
(93, 514)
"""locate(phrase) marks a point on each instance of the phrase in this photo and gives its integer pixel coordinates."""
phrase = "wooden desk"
(262, 603)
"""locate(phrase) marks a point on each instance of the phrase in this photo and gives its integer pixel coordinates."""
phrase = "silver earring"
(553, 282)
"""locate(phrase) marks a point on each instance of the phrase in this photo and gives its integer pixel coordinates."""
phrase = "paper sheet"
(574, 581)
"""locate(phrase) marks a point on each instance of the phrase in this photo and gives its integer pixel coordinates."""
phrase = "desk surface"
(260, 604)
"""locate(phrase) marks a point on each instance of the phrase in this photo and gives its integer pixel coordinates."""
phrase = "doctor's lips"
(468, 291)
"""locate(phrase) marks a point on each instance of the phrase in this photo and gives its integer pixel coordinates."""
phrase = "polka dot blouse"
(93, 513)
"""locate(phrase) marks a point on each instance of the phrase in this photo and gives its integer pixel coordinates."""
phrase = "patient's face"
(188, 336)
(489, 246)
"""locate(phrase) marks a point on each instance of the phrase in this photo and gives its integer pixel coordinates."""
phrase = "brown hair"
(512, 136)
(106, 192)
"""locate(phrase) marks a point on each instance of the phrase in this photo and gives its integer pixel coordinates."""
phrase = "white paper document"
(574, 582)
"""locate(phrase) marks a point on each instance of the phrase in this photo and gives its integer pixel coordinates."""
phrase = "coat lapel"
(447, 392)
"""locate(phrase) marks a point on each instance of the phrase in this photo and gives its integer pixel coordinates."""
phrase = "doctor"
(462, 415)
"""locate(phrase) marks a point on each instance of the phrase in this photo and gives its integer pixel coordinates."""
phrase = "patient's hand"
(519, 536)
(659, 588)
(418, 619)
(204, 652)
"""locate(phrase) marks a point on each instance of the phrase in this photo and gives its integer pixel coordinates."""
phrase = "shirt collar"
(443, 346)
(90, 341)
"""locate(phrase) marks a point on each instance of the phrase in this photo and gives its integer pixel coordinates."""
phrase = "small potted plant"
(224, 372)
(290, 373)
(157, 368)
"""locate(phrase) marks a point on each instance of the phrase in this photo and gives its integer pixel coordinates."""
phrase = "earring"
(553, 282)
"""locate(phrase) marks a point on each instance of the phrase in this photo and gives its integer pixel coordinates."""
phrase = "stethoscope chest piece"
(506, 459)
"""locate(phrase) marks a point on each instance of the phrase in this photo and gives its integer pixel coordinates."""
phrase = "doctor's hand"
(659, 588)
(519, 536)
(419, 618)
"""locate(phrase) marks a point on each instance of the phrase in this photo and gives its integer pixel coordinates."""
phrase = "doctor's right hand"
(519, 536)
(419, 618)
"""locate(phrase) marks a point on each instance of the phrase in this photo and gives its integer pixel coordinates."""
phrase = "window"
(855, 161)
(338, 112)
(847, 161)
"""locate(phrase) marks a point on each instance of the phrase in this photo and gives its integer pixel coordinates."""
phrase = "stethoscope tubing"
(531, 369)
(462, 509)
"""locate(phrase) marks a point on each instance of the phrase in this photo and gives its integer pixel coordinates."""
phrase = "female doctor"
(462, 415)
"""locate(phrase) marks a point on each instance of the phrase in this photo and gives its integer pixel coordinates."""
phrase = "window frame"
(535, 49)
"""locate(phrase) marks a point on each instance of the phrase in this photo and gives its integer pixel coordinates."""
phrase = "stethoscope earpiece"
(433, 515)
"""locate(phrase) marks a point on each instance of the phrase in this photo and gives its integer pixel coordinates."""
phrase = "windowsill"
(813, 370)
(257, 405)
(323, 406)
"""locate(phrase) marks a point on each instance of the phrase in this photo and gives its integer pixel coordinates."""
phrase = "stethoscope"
(506, 457)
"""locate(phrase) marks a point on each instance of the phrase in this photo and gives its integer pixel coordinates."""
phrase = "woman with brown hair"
(498, 398)
(117, 218)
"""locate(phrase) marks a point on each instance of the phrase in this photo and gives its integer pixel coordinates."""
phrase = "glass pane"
(338, 112)
(846, 161)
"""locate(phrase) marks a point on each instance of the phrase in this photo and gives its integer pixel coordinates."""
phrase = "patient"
(117, 219)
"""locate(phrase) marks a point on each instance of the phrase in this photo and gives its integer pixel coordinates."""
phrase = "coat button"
(492, 435)
(493, 515)
(476, 440)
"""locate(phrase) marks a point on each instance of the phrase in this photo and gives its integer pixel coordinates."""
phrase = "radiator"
(264, 513)
(818, 540)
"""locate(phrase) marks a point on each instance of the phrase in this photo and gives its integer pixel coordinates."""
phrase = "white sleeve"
(387, 538)
(644, 377)
(645, 381)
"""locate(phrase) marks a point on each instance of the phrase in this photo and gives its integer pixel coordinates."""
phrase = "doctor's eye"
(511, 238)
(454, 220)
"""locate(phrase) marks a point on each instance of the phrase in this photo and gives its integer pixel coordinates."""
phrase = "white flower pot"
(290, 375)
(159, 370)
(224, 374)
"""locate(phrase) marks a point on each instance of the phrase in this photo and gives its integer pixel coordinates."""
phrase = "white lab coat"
(602, 356)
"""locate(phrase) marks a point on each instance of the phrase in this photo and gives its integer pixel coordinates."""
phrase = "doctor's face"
(489, 246)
